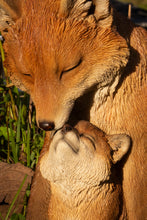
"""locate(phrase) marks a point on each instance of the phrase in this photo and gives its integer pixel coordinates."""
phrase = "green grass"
(20, 138)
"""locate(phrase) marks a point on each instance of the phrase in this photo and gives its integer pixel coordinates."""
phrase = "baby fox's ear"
(120, 144)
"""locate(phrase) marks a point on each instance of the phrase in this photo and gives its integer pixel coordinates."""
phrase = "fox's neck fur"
(104, 203)
(121, 94)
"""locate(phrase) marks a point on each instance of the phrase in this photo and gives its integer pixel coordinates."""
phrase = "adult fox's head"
(57, 50)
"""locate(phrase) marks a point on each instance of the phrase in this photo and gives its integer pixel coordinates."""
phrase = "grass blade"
(1, 217)
(18, 130)
(28, 146)
(2, 52)
(12, 140)
(17, 194)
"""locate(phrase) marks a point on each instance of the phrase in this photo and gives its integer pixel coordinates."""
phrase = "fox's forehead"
(51, 37)
(56, 36)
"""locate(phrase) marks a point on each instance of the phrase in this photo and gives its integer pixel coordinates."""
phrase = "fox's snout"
(52, 116)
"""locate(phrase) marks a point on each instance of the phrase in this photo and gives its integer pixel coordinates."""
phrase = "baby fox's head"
(58, 50)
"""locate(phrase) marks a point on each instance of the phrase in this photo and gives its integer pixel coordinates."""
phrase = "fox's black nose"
(46, 125)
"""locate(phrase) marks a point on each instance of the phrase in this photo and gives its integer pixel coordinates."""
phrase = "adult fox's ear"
(100, 9)
(76, 8)
(102, 12)
(120, 144)
(10, 11)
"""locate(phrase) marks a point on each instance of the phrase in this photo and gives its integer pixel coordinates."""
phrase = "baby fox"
(84, 180)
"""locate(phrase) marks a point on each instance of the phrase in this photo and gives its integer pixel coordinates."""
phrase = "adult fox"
(81, 58)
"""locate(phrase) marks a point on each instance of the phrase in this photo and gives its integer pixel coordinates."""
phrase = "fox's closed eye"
(27, 74)
(71, 68)
(28, 77)
(90, 139)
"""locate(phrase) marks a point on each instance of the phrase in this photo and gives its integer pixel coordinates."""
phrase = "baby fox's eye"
(90, 139)
(71, 68)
